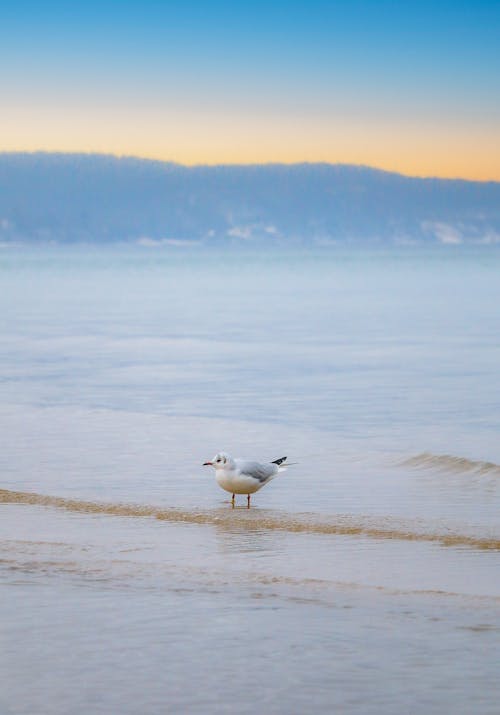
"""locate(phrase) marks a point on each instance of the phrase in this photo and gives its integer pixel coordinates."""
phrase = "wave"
(450, 463)
(258, 520)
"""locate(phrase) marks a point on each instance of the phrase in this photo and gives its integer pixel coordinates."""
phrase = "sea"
(364, 580)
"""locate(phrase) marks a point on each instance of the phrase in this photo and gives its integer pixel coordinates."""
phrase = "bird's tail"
(279, 462)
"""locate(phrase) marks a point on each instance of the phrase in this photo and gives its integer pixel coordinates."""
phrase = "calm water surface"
(366, 579)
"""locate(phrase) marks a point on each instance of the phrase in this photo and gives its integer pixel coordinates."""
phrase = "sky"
(412, 87)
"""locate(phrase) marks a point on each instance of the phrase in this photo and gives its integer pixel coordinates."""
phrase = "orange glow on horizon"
(414, 149)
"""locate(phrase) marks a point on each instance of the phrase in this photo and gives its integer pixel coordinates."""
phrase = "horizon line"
(195, 165)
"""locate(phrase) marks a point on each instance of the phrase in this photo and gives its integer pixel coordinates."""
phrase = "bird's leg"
(248, 501)
(232, 501)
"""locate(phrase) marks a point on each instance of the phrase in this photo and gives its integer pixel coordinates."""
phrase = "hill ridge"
(65, 197)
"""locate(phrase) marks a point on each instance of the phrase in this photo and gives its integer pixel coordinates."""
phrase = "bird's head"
(220, 461)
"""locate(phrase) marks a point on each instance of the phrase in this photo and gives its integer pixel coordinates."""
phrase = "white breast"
(236, 483)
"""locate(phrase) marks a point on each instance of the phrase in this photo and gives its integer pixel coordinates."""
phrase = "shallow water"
(365, 579)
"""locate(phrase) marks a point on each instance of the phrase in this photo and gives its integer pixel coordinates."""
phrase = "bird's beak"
(207, 464)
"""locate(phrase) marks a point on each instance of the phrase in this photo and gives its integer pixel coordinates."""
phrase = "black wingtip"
(278, 461)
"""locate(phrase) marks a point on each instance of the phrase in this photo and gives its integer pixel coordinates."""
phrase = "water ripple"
(256, 519)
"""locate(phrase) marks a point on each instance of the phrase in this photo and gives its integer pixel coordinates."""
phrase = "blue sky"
(384, 83)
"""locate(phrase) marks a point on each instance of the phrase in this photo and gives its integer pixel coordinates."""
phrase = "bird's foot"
(232, 502)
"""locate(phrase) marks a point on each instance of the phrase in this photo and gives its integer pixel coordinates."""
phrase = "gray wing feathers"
(262, 472)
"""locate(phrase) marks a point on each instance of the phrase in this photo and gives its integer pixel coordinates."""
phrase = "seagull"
(239, 476)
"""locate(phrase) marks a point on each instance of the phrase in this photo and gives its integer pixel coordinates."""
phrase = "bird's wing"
(261, 472)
